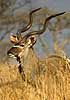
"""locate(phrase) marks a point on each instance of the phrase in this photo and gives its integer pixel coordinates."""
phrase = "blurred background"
(14, 16)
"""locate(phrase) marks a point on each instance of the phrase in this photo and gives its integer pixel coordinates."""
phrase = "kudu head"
(23, 43)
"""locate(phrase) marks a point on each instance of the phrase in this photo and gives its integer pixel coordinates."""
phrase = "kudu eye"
(22, 45)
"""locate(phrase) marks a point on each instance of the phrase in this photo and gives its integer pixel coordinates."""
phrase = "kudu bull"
(23, 46)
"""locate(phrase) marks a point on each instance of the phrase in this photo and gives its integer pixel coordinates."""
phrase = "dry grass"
(51, 81)
(45, 80)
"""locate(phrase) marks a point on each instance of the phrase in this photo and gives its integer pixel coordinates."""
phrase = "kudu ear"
(32, 40)
(14, 39)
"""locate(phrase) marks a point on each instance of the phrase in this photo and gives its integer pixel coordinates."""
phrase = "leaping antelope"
(23, 45)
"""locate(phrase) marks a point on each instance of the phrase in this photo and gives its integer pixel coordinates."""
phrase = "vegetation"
(51, 80)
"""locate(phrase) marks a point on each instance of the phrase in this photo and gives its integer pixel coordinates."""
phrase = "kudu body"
(29, 64)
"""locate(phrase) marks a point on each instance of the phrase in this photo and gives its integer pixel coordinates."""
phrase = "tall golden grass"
(47, 79)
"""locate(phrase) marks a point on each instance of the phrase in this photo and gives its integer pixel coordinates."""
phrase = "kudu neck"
(29, 56)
